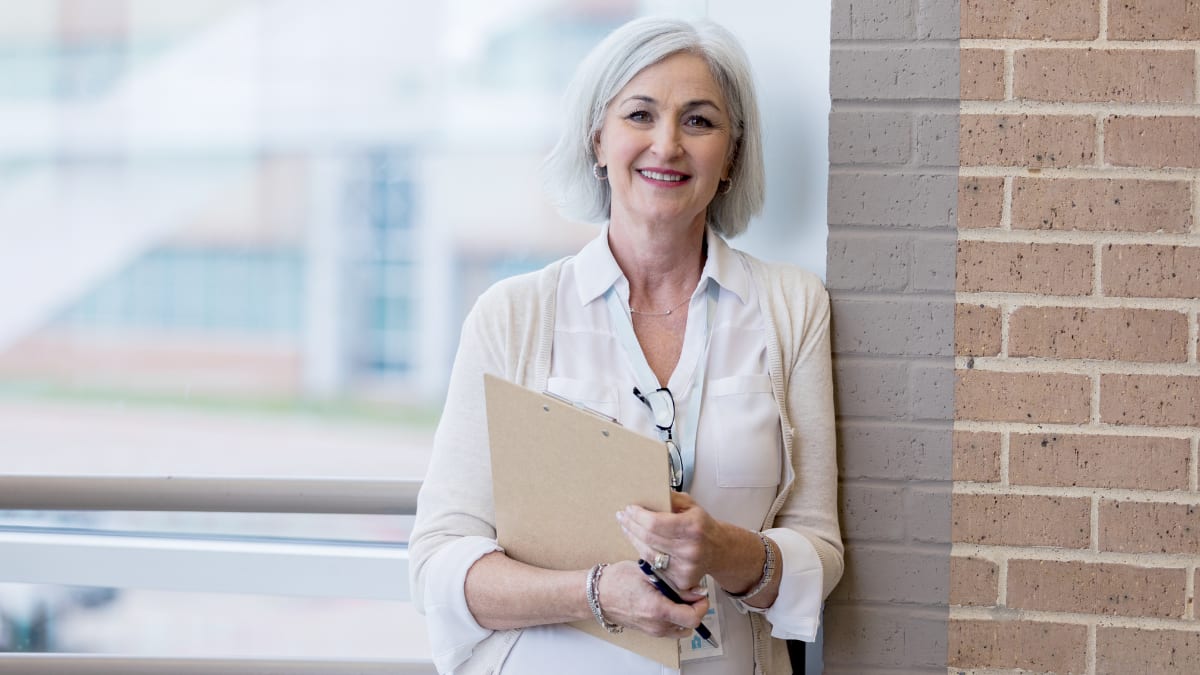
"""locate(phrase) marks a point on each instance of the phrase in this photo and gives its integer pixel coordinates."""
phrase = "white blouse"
(738, 456)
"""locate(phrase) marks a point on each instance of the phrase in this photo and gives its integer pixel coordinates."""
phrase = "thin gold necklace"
(666, 313)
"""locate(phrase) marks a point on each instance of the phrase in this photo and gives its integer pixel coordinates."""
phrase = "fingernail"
(620, 516)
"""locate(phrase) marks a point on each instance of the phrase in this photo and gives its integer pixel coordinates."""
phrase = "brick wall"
(1076, 510)
(892, 202)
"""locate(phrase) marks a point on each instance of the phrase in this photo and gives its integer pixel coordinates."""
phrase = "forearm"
(503, 593)
(740, 567)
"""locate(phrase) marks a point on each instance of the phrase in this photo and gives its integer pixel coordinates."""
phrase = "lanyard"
(648, 382)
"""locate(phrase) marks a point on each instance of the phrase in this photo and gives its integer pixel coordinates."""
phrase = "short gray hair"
(608, 68)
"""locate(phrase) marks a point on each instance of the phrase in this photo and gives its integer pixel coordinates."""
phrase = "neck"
(662, 264)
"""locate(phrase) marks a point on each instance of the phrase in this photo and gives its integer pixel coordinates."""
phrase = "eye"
(638, 116)
(698, 121)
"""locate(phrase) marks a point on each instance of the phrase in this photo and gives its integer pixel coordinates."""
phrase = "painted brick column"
(1076, 509)
(892, 209)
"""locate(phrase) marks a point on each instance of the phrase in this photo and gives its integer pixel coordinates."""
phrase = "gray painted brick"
(871, 389)
(880, 19)
(839, 27)
(937, 139)
(894, 327)
(897, 200)
(868, 262)
(875, 574)
(873, 450)
(927, 514)
(883, 636)
(933, 263)
(932, 388)
(872, 512)
(937, 19)
(894, 74)
(870, 137)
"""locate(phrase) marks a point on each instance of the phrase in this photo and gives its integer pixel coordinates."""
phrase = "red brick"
(1153, 142)
(1149, 527)
(1118, 334)
(1070, 460)
(1021, 520)
(1027, 140)
(1150, 400)
(973, 581)
(1022, 397)
(1030, 19)
(1154, 20)
(1096, 588)
(976, 330)
(1101, 205)
(1104, 75)
(976, 456)
(1025, 645)
(980, 202)
(1149, 271)
(1046, 269)
(981, 74)
(1122, 651)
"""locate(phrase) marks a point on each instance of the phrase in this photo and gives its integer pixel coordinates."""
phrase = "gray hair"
(608, 68)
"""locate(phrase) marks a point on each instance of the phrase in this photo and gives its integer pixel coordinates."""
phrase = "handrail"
(94, 664)
(209, 493)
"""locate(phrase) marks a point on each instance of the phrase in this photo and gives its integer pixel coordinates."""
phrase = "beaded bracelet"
(593, 598)
(768, 572)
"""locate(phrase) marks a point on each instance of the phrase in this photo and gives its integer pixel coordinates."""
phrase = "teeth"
(661, 176)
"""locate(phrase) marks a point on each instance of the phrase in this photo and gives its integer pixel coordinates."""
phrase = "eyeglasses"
(662, 407)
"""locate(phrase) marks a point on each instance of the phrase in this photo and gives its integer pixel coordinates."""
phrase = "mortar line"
(1191, 593)
(1094, 515)
(1197, 73)
(1100, 620)
(1196, 185)
(1091, 649)
(1166, 561)
(1116, 172)
(1095, 407)
(974, 426)
(1081, 237)
(1195, 478)
(1035, 365)
(1169, 497)
(1119, 45)
(1016, 106)
(1103, 40)
(1100, 128)
(1098, 270)
(1032, 300)
(1194, 337)
(1004, 459)
(1002, 581)
(1006, 312)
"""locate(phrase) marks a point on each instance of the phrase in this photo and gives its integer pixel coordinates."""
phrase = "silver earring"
(600, 172)
(724, 186)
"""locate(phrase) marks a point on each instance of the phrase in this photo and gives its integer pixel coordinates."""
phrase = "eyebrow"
(686, 106)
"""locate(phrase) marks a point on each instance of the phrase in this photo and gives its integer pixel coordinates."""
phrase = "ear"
(734, 151)
(598, 148)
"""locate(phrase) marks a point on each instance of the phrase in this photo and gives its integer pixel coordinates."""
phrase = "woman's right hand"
(628, 599)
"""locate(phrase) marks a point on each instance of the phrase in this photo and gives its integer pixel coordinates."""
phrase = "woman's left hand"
(692, 538)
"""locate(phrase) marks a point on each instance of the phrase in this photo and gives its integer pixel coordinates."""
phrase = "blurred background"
(238, 238)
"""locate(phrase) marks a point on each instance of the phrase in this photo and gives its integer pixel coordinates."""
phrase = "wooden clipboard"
(559, 475)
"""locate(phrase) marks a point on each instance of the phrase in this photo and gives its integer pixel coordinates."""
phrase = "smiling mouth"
(665, 177)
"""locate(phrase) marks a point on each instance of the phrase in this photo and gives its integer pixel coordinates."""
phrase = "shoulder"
(784, 285)
(520, 295)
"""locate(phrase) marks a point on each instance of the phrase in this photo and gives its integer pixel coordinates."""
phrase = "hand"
(688, 534)
(628, 599)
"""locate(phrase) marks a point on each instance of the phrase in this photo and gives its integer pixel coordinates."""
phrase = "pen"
(665, 588)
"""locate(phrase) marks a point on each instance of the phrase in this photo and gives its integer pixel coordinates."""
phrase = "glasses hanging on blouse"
(662, 408)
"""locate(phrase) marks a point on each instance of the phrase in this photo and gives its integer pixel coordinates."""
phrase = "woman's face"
(666, 143)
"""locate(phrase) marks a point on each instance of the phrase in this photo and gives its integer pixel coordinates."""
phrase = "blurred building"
(284, 197)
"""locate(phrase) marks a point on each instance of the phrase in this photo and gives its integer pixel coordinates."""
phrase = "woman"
(663, 144)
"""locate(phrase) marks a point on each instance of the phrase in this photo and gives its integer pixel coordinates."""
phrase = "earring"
(600, 172)
(724, 186)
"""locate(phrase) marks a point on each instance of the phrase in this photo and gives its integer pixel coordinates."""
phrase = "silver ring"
(661, 561)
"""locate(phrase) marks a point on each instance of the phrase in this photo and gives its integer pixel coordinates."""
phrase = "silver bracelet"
(768, 572)
(593, 598)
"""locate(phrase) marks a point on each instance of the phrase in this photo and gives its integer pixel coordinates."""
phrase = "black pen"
(665, 588)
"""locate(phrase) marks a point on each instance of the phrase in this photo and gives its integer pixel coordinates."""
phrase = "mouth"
(665, 176)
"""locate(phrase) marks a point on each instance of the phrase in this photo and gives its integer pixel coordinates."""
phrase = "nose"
(667, 139)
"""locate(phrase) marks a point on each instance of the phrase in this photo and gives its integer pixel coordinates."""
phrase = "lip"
(682, 180)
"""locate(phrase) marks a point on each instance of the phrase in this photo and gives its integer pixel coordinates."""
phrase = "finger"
(657, 530)
(681, 501)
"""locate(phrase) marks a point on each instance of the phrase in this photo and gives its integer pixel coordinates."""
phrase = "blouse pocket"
(594, 395)
(749, 446)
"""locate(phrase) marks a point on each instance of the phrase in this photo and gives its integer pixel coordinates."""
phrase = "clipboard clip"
(574, 404)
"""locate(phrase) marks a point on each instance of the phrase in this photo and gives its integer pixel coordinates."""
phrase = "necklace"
(666, 313)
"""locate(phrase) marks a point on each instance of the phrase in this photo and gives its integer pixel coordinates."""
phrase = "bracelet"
(768, 572)
(593, 598)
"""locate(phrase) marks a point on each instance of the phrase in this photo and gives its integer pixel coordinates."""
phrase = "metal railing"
(42, 555)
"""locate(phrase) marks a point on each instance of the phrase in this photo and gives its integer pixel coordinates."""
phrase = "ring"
(661, 561)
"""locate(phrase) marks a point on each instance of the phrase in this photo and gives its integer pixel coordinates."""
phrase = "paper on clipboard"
(559, 476)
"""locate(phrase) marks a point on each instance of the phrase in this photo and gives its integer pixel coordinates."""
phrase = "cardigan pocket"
(745, 407)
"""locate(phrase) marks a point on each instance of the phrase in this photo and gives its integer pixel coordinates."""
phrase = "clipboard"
(560, 473)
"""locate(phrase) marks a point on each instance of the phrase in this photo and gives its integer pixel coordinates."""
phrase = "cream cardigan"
(509, 333)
